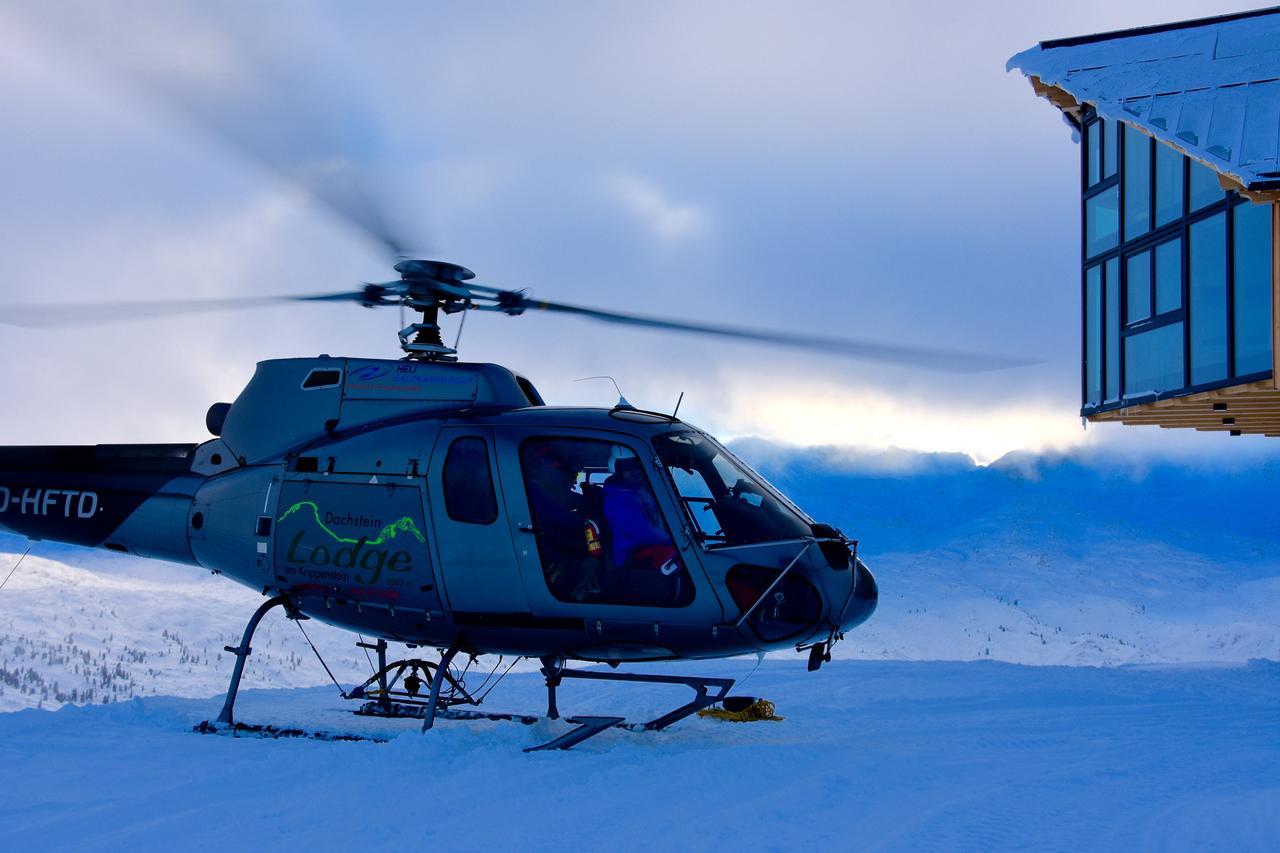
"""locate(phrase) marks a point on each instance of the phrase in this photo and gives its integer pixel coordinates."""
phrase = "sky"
(839, 169)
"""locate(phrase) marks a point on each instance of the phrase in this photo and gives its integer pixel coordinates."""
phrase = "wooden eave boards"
(1068, 104)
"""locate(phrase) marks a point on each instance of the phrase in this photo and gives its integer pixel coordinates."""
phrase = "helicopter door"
(477, 559)
(592, 532)
(348, 537)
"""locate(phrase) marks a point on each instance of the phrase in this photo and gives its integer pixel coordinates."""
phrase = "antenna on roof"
(622, 401)
(677, 408)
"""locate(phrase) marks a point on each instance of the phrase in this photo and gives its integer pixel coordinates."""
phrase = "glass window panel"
(1137, 183)
(1168, 184)
(727, 503)
(1252, 270)
(1112, 355)
(1093, 153)
(1153, 361)
(598, 526)
(1204, 186)
(1169, 276)
(1209, 300)
(1139, 285)
(1102, 222)
(1093, 335)
(1110, 144)
(468, 482)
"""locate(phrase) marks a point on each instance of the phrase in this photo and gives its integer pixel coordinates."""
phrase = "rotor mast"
(428, 288)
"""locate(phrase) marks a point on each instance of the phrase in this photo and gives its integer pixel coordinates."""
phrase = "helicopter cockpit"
(726, 503)
(600, 532)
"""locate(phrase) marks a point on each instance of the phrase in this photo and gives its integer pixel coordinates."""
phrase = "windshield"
(727, 503)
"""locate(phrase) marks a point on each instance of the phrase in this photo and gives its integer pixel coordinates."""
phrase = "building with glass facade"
(1179, 131)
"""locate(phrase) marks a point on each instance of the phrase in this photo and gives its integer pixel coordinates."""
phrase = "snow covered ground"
(1063, 658)
(872, 755)
(119, 628)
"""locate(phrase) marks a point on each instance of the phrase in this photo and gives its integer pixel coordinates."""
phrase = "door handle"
(526, 528)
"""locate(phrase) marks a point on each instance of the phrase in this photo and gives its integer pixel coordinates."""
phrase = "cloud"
(746, 164)
(810, 414)
(669, 221)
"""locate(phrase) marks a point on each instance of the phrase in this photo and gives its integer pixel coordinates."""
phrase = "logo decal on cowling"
(367, 374)
(388, 532)
(363, 553)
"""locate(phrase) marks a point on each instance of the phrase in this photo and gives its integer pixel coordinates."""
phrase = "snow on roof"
(1209, 87)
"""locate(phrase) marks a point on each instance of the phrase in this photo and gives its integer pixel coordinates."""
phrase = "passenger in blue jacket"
(640, 540)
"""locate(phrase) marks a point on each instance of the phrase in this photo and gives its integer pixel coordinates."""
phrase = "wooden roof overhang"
(1074, 111)
(1249, 409)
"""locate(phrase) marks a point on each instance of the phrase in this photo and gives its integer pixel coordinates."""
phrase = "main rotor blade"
(267, 79)
(935, 359)
(52, 316)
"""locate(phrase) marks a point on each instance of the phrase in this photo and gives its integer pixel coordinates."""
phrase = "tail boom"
(133, 498)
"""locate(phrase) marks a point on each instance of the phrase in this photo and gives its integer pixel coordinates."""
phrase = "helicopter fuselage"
(443, 504)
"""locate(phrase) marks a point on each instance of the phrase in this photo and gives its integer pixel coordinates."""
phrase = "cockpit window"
(599, 528)
(727, 503)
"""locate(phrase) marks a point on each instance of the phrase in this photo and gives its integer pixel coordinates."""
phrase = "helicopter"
(442, 504)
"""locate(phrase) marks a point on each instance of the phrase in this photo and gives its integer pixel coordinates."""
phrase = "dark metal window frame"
(1178, 228)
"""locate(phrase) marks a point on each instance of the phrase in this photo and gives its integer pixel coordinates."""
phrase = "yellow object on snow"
(761, 709)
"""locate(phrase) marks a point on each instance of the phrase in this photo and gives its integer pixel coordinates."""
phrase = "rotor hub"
(428, 287)
(440, 271)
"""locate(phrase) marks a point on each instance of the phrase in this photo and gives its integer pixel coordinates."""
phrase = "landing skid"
(589, 727)
(419, 711)
(275, 732)
(707, 692)
(394, 690)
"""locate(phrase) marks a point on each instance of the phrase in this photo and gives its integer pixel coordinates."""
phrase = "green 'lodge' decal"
(362, 553)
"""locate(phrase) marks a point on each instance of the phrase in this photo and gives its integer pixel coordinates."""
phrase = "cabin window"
(1112, 356)
(1178, 275)
(468, 482)
(600, 531)
(1137, 183)
(1138, 268)
(1169, 276)
(322, 378)
(1100, 143)
(1169, 169)
(1102, 221)
(1093, 153)
(1153, 346)
(791, 606)
(1153, 361)
(1110, 147)
(1209, 299)
(1204, 186)
(1251, 271)
(1093, 335)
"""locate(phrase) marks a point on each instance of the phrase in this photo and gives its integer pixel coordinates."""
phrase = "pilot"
(559, 513)
(640, 540)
